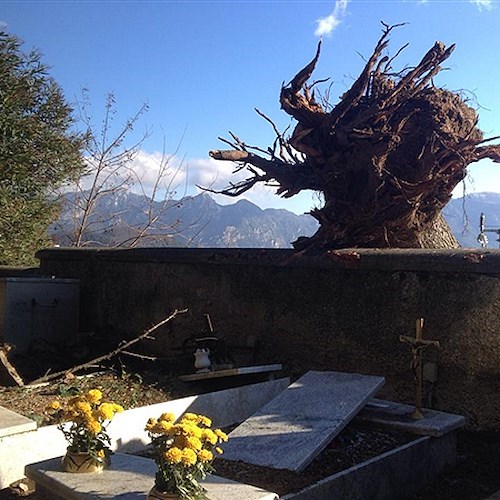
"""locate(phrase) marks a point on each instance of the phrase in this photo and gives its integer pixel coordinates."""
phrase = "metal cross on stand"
(417, 345)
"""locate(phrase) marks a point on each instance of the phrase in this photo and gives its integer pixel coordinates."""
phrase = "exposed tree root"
(386, 158)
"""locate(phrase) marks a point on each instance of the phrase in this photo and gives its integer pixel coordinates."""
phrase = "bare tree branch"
(121, 348)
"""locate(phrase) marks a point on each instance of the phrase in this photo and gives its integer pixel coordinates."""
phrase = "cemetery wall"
(344, 311)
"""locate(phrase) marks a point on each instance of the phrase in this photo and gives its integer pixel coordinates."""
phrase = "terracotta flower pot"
(154, 494)
(82, 462)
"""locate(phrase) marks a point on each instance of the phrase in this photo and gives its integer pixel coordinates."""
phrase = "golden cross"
(418, 344)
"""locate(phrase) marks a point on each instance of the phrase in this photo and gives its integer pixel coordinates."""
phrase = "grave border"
(394, 474)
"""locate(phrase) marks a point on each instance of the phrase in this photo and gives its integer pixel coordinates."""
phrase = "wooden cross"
(417, 345)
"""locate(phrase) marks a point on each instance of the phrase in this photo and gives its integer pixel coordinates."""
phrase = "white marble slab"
(128, 478)
(232, 372)
(293, 428)
(13, 423)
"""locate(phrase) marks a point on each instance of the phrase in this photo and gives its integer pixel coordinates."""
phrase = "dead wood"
(386, 157)
(122, 348)
(8, 373)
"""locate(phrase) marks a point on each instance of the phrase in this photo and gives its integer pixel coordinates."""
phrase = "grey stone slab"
(232, 372)
(13, 423)
(295, 426)
(396, 416)
(128, 478)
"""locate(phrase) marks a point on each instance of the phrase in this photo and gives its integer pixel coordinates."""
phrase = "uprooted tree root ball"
(386, 158)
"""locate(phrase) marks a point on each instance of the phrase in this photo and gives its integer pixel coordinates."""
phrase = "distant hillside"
(463, 215)
(199, 221)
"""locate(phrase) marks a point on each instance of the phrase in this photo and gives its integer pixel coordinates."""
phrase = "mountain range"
(463, 216)
(199, 221)
(196, 221)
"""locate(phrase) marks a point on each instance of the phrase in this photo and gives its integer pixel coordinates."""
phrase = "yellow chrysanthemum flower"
(205, 456)
(204, 420)
(167, 417)
(190, 429)
(151, 423)
(194, 443)
(190, 417)
(55, 405)
(219, 450)
(188, 456)
(94, 396)
(209, 436)
(173, 455)
(93, 426)
(117, 408)
(165, 426)
(221, 435)
(83, 407)
(105, 411)
(76, 399)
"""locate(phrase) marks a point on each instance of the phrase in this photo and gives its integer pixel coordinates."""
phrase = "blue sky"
(202, 66)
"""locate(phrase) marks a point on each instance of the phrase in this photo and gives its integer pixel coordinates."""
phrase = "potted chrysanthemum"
(83, 420)
(183, 452)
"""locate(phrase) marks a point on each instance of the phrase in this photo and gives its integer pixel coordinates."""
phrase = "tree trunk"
(438, 235)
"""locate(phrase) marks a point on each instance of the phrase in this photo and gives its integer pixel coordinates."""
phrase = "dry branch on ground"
(121, 349)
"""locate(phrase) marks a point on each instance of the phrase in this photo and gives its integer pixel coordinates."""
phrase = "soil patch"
(354, 445)
(128, 390)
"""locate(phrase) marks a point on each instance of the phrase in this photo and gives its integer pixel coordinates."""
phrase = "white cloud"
(216, 175)
(188, 176)
(482, 4)
(141, 174)
(326, 25)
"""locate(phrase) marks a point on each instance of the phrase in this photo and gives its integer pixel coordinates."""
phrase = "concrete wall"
(344, 311)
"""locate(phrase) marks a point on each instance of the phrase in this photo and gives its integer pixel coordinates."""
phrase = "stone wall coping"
(13, 271)
(463, 260)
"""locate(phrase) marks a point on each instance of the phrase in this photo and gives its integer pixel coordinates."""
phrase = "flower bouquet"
(183, 452)
(83, 419)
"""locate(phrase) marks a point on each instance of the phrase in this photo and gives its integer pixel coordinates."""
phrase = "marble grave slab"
(13, 423)
(127, 478)
(295, 426)
(397, 416)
